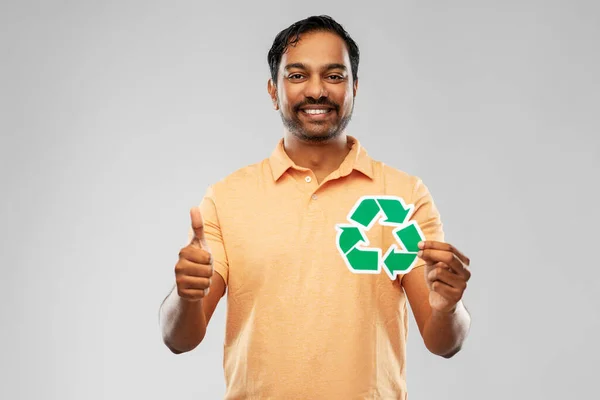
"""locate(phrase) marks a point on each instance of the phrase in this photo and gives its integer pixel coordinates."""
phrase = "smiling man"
(300, 324)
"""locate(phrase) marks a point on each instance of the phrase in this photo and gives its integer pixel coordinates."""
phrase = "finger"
(440, 265)
(433, 256)
(446, 291)
(188, 268)
(193, 282)
(450, 259)
(457, 269)
(196, 255)
(198, 227)
(192, 294)
(436, 245)
(451, 279)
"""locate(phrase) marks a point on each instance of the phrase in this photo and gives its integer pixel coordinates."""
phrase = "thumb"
(198, 227)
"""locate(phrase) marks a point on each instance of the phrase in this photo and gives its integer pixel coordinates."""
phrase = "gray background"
(115, 116)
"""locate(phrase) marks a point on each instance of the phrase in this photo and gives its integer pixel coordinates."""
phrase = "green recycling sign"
(353, 244)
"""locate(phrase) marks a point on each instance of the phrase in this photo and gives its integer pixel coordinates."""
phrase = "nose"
(315, 88)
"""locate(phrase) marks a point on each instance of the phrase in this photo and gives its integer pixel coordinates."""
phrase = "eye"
(295, 76)
(335, 77)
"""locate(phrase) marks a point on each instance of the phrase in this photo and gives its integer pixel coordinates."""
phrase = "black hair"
(291, 35)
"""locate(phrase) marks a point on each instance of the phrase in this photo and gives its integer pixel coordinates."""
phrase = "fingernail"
(420, 253)
(421, 244)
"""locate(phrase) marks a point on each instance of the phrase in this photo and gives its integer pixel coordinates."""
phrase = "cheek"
(285, 104)
(287, 107)
(288, 95)
(350, 94)
(345, 97)
(348, 101)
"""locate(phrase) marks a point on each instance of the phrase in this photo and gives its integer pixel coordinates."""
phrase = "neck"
(320, 157)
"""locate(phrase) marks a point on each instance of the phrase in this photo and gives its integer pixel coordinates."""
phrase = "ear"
(355, 87)
(272, 89)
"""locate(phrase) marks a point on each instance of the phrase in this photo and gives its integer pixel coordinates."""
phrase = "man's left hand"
(446, 273)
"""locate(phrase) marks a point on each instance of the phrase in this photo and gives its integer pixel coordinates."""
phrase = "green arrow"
(409, 237)
(397, 261)
(393, 210)
(363, 260)
(350, 237)
(365, 212)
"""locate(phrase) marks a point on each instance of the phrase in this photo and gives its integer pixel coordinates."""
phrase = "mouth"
(316, 113)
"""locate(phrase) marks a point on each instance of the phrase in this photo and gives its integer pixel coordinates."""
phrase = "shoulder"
(397, 175)
(397, 181)
(241, 181)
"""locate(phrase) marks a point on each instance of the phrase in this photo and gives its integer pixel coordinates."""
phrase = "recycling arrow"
(350, 237)
(395, 211)
(365, 212)
(366, 260)
(352, 243)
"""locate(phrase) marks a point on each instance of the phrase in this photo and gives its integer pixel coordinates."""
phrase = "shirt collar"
(357, 159)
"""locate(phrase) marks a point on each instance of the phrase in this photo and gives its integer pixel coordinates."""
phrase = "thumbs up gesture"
(194, 269)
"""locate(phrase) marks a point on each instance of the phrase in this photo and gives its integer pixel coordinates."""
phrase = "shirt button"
(314, 197)
(308, 179)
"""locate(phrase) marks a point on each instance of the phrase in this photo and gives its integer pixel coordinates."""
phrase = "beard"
(297, 128)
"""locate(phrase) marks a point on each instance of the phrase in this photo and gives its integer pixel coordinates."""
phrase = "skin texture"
(317, 72)
(435, 295)
(186, 311)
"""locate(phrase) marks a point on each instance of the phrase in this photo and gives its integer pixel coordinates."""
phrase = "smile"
(316, 111)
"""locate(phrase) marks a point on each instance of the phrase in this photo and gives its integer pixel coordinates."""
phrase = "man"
(300, 324)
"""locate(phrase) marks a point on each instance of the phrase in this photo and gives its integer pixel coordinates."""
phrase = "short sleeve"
(213, 234)
(426, 215)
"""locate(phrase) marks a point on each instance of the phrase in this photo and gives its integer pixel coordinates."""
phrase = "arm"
(435, 286)
(185, 313)
(443, 332)
(183, 322)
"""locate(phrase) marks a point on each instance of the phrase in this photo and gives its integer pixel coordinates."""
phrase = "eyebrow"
(325, 68)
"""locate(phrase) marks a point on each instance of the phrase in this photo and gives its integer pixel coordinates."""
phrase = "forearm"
(182, 322)
(444, 333)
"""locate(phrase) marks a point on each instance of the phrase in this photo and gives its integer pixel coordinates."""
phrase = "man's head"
(314, 78)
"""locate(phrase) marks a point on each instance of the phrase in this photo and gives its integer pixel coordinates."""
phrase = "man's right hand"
(194, 269)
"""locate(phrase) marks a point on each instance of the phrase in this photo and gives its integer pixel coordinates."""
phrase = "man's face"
(315, 91)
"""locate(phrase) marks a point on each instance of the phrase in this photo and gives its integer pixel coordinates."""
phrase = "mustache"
(321, 102)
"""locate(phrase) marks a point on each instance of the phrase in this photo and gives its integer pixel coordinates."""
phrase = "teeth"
(316, 111)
